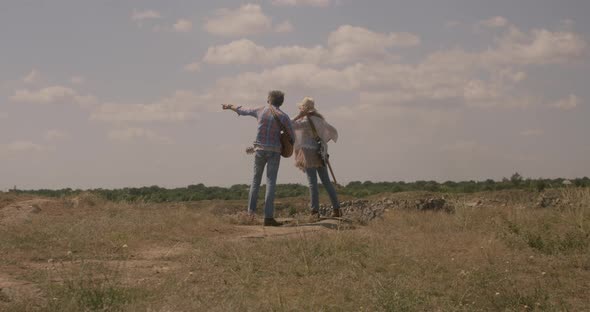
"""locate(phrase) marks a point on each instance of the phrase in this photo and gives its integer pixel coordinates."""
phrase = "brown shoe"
(314, 216)
(272, 222)
(336, 213)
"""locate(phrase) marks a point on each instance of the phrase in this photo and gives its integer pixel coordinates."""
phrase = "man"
(267, 150)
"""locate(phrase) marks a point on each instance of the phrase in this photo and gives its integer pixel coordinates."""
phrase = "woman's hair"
(308, 106)
(276, 97)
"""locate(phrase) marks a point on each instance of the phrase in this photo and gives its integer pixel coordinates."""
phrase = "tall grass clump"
(79, 285)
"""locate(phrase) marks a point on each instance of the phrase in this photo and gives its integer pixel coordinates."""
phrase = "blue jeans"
(312, 179)
(272, 161)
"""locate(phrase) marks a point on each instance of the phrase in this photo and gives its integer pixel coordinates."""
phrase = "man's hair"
(276, 97)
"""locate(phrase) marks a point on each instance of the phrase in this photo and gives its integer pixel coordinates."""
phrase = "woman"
(307, 156)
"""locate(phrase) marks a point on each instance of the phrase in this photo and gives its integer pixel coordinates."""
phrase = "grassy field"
(497, 251)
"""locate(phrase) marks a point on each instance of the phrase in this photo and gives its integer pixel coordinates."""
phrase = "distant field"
(511, 250)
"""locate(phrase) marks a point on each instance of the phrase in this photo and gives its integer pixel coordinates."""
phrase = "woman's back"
(304, 135)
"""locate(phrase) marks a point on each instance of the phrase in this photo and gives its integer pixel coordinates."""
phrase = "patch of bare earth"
(13, 290)
(292, 228)
(22, 211)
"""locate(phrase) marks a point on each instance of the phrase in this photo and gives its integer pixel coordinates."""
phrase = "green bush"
(355, 189)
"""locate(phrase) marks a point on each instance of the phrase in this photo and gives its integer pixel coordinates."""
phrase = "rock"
(35, 208)
(364, 211)
(360, 210)
(546, 201)
(435, 204)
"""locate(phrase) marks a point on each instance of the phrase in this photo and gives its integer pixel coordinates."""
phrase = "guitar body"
(286, 144)
(286, 139)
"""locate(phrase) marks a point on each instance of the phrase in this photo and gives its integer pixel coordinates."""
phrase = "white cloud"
(495, 22)
(531, 132)
(478, 90)
(540, 46)
(346, 44)
(315, 3)
(193, 67)
(284, 27)
(246, 20)
(140, 16)
(32, 77)
(250, 85)
(133, 133)
(396, 82)
(452, 24)
(183, 25)
(571, 102)
(350, 43)
(22, 147)
(482, 79)
(442, 76)
(400, 83)
(510, 75)
(77, 80)
(181, 106)
(51, 95)
(245, 51)
(52, 135)
(472, 78)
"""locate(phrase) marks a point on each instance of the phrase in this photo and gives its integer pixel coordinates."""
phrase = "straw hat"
(307, 105)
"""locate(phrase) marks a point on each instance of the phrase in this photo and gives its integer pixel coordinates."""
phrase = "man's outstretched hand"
(300, 115)
(226, 106)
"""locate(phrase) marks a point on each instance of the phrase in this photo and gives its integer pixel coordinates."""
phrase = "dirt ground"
(142, 265)
(496, 251)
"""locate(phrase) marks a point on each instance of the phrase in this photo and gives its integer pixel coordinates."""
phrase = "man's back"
(268, 131)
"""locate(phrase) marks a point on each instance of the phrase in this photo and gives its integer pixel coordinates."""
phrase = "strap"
(323, 154)
(283, 128)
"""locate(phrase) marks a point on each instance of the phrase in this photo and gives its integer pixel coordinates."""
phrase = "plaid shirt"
(269, 131)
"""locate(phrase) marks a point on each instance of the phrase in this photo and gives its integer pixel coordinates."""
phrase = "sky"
(127, 93)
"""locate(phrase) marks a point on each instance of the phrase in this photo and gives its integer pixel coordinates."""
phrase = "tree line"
(356, 189)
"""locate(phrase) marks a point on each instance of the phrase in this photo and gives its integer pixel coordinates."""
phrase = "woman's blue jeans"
(272, 161)
(312, 179)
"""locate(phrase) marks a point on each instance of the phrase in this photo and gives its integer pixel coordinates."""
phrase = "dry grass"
(100, 256)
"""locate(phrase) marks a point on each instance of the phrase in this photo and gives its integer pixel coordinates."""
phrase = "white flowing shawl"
(304, 137)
